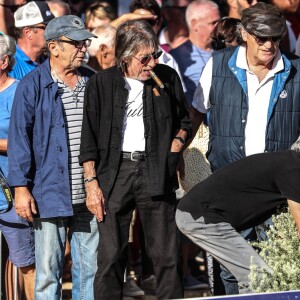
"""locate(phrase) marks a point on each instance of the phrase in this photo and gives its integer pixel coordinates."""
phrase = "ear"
(27, 31)
(5, 62)
(193, 23)
(103, 50)
(53, 47)
(244, 34)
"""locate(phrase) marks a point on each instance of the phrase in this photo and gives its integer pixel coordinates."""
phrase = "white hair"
(106, 36)
(195, 10)
(8, 47)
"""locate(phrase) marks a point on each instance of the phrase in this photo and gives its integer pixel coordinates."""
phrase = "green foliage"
(281, 252)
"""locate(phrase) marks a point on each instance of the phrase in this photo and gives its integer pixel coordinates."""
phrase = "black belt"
(134, 156)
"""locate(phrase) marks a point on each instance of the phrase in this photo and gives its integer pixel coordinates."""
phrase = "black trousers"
(162, 242)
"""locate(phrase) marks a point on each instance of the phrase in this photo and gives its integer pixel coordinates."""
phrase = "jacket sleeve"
(181, 106)
(89, 130)
(20, 153)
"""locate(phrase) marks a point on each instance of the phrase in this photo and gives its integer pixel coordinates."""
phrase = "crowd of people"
(96, 110)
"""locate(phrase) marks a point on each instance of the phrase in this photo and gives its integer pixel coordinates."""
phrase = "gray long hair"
(8, 47)
(132, 36)
(296, 145)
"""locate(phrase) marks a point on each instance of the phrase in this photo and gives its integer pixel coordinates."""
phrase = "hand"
(95, 201)
(176, 146)
(24, 203)
(139, 14)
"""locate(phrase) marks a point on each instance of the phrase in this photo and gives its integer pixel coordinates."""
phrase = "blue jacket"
(38, 146)
(229, 109)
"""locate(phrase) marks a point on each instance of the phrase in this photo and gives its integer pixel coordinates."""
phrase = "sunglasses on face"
(145, 59)
(262, 40)
(77, 44)
(39, 27)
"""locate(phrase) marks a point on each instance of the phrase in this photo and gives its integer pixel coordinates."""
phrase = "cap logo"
(77, 23)
(48, 13)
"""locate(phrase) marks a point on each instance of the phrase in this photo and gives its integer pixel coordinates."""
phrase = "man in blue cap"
(44, 145)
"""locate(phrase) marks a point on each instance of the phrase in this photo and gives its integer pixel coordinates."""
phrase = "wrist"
(90, 179)
(180, 139)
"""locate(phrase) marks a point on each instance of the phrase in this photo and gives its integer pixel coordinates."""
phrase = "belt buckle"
(131, 156)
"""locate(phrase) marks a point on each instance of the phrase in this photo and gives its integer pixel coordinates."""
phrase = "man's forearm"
(181, 134)
(89, 169)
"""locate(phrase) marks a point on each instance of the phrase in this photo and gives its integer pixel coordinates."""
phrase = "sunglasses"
(145, 59)
(39, 27)
(77, 44)
(262, 40)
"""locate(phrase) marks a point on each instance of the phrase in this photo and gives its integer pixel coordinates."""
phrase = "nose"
(83, 48)
(269, 44)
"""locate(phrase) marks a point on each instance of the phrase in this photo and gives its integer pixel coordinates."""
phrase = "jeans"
(50, 243)
(157, 215)
(226, 245)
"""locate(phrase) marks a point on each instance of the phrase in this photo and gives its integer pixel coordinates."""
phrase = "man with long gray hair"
(134, 127)
(236, 197)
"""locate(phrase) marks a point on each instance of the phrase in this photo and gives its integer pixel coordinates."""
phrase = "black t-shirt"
(246, 192)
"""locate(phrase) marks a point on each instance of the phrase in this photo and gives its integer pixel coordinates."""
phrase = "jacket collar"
(46, 78)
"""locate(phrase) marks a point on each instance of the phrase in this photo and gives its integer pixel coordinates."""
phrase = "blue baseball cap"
(69, 26)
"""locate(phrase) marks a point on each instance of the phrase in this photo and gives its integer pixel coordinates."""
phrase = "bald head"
(200, 10)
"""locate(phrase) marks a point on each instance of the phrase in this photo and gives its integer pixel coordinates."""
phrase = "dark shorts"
(19, 236)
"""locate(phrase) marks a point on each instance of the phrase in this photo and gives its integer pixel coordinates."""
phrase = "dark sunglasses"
(12, 7)
(39, 27)
(262, 40)
(145, 59)
(77, 44)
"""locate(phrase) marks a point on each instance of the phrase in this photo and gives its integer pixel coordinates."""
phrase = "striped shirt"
(73, 106)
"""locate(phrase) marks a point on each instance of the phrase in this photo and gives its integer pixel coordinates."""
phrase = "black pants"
(157, 216)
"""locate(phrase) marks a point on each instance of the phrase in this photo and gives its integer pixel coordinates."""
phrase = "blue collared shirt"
(23, 65)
